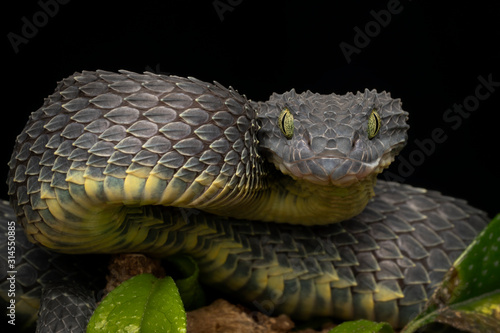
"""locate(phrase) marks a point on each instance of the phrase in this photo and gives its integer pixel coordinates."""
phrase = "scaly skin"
(101, 166)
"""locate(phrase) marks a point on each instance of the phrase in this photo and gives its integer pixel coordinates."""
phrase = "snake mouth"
(334, 171)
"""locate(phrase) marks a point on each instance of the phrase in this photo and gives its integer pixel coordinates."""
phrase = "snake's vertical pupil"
(285, 123)
(373, 124)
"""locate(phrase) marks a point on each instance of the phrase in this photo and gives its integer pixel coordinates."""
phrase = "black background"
(428, 55)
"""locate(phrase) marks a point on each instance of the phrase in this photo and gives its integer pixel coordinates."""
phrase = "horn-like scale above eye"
(285, 123)
(373, 124)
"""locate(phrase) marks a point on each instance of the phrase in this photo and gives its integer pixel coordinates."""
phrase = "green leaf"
(362, 326)
(192, 294)
(469, 297)
(140, 304)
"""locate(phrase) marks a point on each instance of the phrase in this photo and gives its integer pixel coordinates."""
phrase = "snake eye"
(285, 123)
(373, 124)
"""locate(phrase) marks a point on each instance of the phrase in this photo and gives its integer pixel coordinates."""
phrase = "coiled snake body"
(274, 200)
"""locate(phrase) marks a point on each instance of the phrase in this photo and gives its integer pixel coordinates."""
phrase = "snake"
(279, 202)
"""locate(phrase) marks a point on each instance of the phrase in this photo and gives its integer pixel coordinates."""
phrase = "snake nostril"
(309, 137)
(355, 141)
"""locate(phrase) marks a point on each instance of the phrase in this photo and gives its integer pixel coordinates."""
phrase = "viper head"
(332, 139)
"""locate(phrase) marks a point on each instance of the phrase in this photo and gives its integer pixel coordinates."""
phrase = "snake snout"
(338, 160)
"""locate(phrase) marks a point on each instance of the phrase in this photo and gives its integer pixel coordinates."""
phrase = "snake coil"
(126, 162)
